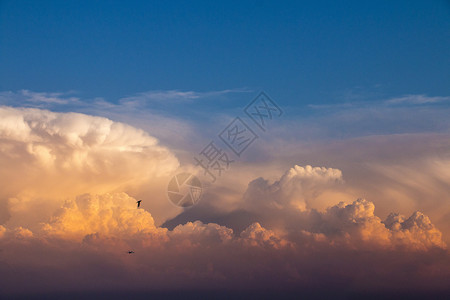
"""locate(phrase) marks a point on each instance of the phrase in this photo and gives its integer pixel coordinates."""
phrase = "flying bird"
(130, 252)
(138, 203)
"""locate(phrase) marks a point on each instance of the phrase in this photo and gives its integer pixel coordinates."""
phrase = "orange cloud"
(70, 182)
(48, 157)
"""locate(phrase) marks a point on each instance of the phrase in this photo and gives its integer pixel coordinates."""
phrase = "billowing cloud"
(354, 223)
(357, 224)
(416, 231)
(70, 185)
(256, 235)
(283, 205)
(92, 234)
(45, 155)
(113, 215)
(293, 190)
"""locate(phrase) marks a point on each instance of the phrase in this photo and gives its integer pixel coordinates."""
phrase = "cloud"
(399, 115)
(417, 231)
(45, 155)
(280, 203)
(352, 225)
(174, 96)
(90, 235)
(283, 205)
(173, 116)
(37, 99)
(416, 99)
(112, 215)
(257, 236)
(71, 181)
(2, 231)
(356, 223)
(197, 234)
(294, 187)
(413, 99)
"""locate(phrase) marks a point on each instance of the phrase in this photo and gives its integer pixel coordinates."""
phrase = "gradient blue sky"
(316, 52)
(365, 90)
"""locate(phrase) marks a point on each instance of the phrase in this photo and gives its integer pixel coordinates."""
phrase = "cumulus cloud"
(197, 233)
(91, 234)
(356, 224)
(256, 235)
(294, 189)
(45, 155)
(416, 231)
(112, 215)
(70, 185)
(284, 205)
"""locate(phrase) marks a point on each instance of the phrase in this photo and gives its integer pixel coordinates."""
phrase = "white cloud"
(283, 205)
(50, 159)
(294, 189)
(45, 155)
(173, 96)
(37, 99)
(417, 99)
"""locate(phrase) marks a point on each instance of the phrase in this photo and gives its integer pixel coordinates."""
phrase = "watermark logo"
(237, 136)
(262, 109)
(184, 189)
(213, 160)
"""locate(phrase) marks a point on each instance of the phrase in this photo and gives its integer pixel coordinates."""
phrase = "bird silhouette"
(130, 252)
(138, 203)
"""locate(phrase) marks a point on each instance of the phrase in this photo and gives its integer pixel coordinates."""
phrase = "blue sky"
(320, 52)
(103, 102)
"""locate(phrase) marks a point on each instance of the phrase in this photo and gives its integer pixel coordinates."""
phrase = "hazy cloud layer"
(69, 188)
(171, 96)
(91, 235)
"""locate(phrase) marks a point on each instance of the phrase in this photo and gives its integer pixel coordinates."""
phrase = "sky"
(344, 189)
